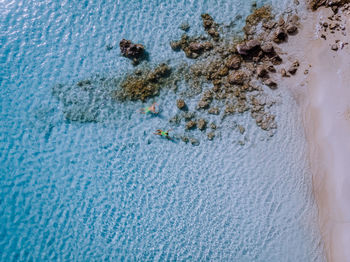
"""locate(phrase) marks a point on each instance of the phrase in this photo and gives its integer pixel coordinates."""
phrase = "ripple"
(110, 190)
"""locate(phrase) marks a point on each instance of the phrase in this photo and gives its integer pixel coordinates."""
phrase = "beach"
(327, 125)
(323, 92)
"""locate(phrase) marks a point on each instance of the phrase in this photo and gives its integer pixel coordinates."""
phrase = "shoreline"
(323, 93)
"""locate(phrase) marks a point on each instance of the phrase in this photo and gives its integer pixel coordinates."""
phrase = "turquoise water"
(112, 191)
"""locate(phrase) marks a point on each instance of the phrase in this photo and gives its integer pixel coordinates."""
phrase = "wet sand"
(324, 95)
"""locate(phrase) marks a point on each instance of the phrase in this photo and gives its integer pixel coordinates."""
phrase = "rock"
(201, 124)
(269, 25)
(163, 70)
(137, 88)
(270, 83)
(189, 115)
(241, 129)
(180, 103)
(267, 48)
(207, 45)
(205, 100)
(185, 26)
(284, 73)
(292, 29)
(261, 71)
(241, 107)
(259, 118)
(292, 70)
(213, 33)
(140, 89)
(296, 63)
(233, 62)
(230, 109)
(191, 125)
(217, 82)
(315, 4)
(190, 54)
(143, 85)
(185, 139)
(208, 21)
(214, 111)
(213, 126)
(216, 88)
(192, 48)
(207, 95)
(333, 26)
(226, 52)
(196, 47)
(271, 69)
(279, 35)
(130, 50)
(175, 45)
(207, 24)
(281, 22)
(248, 47)
(210, 26)
(276, 60)
(259, 14)
(211, 135)
(334, 9)
(237, 78)
(334, 47)
(203, 104)
(194, 142)
(223, 71)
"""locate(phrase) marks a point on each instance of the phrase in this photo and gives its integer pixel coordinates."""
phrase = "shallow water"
(111, 190)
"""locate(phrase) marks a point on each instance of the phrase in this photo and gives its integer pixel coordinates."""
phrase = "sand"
(324, 95)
